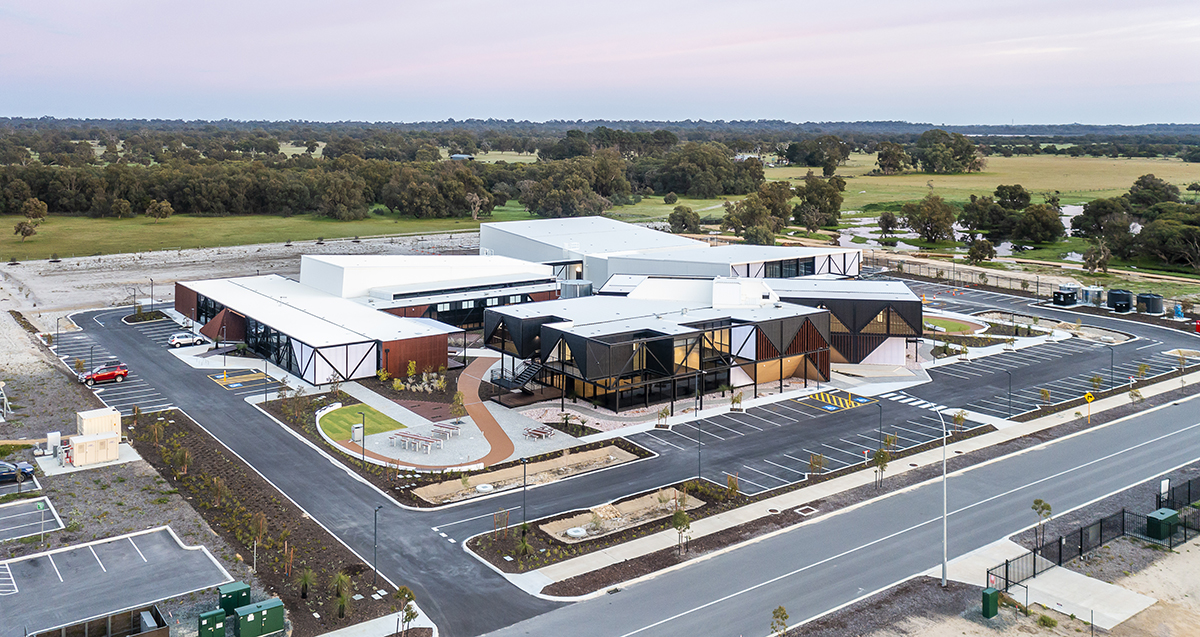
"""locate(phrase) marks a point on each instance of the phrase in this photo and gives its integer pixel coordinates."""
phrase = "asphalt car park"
(67, 586)
(8, 488)
(771, 446)
(243, 382)
(134, 390)
(25, 518)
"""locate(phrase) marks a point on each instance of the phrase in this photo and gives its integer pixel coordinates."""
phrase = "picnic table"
(447, 428)
(414, 441)
(540, 433)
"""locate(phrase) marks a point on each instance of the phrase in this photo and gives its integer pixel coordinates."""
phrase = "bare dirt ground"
(45, 290)
(100, 502)
(612, 518)
(556, 468)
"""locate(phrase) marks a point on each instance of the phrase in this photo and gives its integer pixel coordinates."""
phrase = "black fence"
(1180, 496)
(1087, 538)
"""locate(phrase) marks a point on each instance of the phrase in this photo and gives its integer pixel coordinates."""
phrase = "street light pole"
(880, 406)
(375, 559)
(1111, 365)
(362, 443)
(57, 331)
(943, 498)
(151, 295)
(524, 475)
(91, 362)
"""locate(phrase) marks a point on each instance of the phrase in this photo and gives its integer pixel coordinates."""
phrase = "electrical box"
(356, 433)
(98, 421)
(1161, 524)
(263, 618)
(233, 596)
(991, 602)
(95, 449)
(212, 623)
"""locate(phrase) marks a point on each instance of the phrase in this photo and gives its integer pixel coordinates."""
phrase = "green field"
(950, 325)
(336, 424)
(84, 236)
(1077, 179)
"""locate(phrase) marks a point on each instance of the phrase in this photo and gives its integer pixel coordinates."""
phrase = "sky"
(940, 62)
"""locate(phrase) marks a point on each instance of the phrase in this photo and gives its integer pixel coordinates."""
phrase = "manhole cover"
(484, 488)
(577, 532)
(772, 511)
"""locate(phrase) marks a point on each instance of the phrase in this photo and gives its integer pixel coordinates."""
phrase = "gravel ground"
(921, 597)
(102, 502)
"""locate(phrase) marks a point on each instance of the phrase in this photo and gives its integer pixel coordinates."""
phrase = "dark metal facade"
(640, 368)
(859, 326)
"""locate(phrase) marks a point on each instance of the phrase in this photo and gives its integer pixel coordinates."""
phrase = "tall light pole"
(375, 559)
(1111, 365)
(91, 362)
(362, 444)
(151, 295)
(944, 438)
(57, 331)
(524, 474)
(880, 406)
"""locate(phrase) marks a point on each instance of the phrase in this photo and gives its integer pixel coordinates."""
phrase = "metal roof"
(595, 235)
(738, 254)
(850, 290)
(309, 315)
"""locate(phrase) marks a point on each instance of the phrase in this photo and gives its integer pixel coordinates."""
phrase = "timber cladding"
(185, 300)
(427, 351)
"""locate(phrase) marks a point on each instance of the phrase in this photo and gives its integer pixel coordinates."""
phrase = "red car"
(109, 371)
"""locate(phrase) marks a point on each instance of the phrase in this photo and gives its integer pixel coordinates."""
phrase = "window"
(493, 301)
(443, 307)
(516, 298)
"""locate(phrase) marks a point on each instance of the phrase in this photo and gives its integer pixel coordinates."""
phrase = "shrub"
(670, 198)
(1047, 621)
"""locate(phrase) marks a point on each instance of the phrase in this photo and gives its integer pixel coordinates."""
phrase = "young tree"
(1042, 509)
(408, 608)
(880, 461)
(682, 523)
(159, 210)
(457, 409)
(817, 463)
(931, 218)
(305, 579)
(779, 618)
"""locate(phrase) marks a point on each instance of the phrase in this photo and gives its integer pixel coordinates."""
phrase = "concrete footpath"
(533, 582)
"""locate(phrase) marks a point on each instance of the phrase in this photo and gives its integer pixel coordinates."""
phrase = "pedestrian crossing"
(913, 401)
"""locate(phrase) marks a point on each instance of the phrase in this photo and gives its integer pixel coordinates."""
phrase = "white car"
(185, 338)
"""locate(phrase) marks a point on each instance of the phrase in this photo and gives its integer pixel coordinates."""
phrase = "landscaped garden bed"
(249, 513)
(298, 411)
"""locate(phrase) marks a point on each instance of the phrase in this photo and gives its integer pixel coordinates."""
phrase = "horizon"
(946, 64)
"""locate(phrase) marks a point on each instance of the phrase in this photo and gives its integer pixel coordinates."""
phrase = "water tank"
(1152, 303)
(1120, 300)
(1093, 295)
(574, 289)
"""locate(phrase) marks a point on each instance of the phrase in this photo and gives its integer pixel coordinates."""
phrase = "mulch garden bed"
(548, 550)
(240, 505)
(145, 317)
(299, 413)
(921, 597)
(384, 388)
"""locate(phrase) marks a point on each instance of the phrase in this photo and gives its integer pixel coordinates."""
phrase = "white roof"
(595, 235)
(311, 316)
(739, 254)
(362, 275)
(842, 289)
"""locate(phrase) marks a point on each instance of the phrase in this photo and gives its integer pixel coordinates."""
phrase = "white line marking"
(783, 467)
(51, 558)
(765, 474)
(653, 437)
(97, 559)
(729, 416)
(741, 479)
(139, 551)
(440, 526)
(717, 424)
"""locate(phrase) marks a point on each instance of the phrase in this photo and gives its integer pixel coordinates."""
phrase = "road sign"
(1089, 397)
(40, 506)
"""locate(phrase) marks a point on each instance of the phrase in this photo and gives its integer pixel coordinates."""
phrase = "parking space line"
(795, 409)
(97, 558)
(912, 440)
(730, 416)
(741, 479)
(51, 558)
(849, 453)
(915, 423)
(763, 419)
(139, 551)
(784, 468)
(692, 440)
(714, 423)
(766, 474)
(653, 437)
(701, 430)
(940, 370)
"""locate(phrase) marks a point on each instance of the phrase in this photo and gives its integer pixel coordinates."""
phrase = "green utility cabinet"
(233, 596)
(263, 618)
(212, 623)
(991, 602)
(1161, 524)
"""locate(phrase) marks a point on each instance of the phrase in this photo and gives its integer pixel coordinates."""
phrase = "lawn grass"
(336, 424)
(1077, 179)
(950, 325)
(84, 236)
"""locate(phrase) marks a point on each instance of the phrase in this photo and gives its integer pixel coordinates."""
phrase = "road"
(838, 558)
(466, 598)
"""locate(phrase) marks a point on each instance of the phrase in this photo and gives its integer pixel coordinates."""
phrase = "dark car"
(113, 371)
(18, 472)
